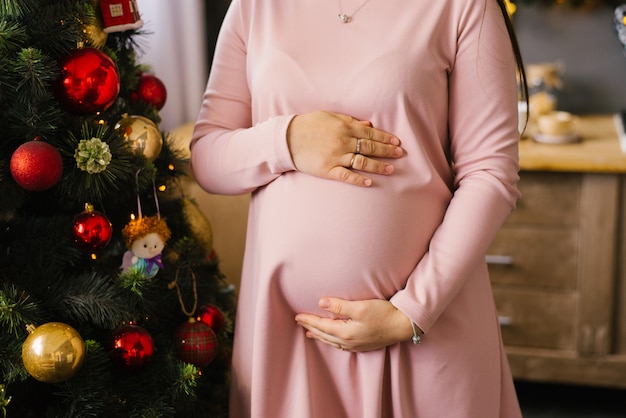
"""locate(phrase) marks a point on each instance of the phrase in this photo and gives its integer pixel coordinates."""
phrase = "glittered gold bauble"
(141, 135)
(95, 34)
(199, 225)
(53, 352)
(96, 37)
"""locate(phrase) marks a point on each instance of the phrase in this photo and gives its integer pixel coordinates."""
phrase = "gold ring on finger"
(352, 160)
(358, 146)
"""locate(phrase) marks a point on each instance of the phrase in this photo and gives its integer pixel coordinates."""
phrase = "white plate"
(556, 139)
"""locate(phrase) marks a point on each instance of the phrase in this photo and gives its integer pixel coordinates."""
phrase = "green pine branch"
(16, 9)
(90, 298)
(16, 310)
(37, 73)
(12, 37)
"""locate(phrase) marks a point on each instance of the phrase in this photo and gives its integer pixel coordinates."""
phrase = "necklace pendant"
(345, 18)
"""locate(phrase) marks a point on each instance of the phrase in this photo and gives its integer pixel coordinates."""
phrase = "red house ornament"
(120, 15)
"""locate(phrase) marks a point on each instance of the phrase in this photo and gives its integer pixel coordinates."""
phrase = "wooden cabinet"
(558, 264)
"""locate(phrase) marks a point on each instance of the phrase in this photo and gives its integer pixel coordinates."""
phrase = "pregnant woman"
(378, 140)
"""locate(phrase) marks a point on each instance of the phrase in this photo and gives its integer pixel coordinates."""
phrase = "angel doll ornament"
(145, 238)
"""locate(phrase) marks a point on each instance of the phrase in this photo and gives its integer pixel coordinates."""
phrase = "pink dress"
(440, 75)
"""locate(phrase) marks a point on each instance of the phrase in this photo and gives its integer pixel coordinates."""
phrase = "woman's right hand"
(325, 144)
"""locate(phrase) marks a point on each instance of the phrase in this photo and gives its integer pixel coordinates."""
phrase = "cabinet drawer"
(548, 199)
(534, 256)
(537, 319)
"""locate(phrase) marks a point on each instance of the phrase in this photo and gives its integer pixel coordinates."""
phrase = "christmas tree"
(112, 303)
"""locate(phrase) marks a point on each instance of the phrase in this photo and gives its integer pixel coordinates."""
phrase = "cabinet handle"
(504, 260)
(505, 320)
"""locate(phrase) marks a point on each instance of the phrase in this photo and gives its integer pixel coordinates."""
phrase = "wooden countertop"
(597, 151)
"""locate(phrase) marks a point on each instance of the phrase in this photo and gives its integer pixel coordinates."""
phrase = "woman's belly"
(313, 237)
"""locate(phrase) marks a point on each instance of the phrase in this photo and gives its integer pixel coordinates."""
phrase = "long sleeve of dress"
(485, 155)
(235, 157)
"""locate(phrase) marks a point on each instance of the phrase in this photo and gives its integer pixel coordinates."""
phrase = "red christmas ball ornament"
(151, 90)
(36, 166)
(196, 343)
(212, 316)
(92, 230)
(132, 347)
(89, 81)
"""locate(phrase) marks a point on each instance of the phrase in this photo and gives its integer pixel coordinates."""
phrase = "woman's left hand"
(363, 325)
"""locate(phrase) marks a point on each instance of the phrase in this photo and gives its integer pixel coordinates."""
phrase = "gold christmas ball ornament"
(141, 135)
(53, 352)
(200, 226)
